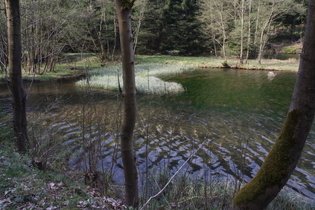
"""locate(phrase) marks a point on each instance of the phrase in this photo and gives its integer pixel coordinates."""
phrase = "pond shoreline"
(64, 78)
(76, 76)
(196, 62)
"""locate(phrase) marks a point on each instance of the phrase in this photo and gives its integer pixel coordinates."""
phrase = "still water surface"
(234, 115)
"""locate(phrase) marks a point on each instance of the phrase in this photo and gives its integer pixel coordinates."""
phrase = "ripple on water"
(235, 140)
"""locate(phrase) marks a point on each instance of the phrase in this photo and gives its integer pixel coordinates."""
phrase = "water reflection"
(234, 115)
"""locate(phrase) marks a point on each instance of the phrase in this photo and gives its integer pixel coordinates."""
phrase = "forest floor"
(23, 186)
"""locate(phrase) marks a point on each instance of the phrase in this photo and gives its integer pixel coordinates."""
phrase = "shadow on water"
(235, 115)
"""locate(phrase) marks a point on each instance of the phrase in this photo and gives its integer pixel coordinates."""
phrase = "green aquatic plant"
(147, 78)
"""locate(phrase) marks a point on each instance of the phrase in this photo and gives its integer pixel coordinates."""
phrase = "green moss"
(289, 50)
(274, 170)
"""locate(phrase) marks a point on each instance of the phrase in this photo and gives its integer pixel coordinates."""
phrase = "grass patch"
(147, 78)
(289, 50)
(208, 192)
(292, 48)
(57, 74)
(70, 65)
(188, 193)
(24, 187)
(288, 199)
(215, 62)
(61, 71)
(75, 64)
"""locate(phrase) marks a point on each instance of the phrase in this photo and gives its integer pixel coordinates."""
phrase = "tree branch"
(170, 180)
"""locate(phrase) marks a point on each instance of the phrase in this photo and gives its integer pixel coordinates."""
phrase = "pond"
(234, 116)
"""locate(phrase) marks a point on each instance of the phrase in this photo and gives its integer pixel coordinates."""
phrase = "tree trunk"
(115, 38)
(283, 157)
(143, 5)
(242, 30)
(223, 30)
(249, 30)
(129, 91)
(16, 83)
(99, 34)
(265, 30)
(257, 24)
(3, 52)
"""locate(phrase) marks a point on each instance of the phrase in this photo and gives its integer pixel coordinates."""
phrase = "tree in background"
(16, 83)
(292, 22)
(139, 9)
(94, 29)
(217, 20)
(172, 27)
(129, 91)
(284, 155)
(68, 26)
(44, 31)
(182, 30)
(150, 35)
(244, 28)
(3, 40)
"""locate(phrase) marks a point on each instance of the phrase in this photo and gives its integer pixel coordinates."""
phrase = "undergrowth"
(208, 192)
(25, 187)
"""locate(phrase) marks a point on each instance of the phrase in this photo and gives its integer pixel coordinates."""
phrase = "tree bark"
(16, 82)
(257, 23)
(242, 30)
(143, 5)
(249, 30)
(265, 30)
(129, 90)
(283, 157)
(100, 32)
(222, 24)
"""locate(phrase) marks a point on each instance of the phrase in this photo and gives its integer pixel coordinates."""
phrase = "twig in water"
(170, 180)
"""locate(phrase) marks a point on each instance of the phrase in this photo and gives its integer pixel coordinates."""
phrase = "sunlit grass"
(74, 63)
(217, 62)
(147, 80)
(71, 65)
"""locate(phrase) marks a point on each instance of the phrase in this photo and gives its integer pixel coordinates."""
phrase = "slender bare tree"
(142, 4)
(283, 157)
(123, 8)
(16, 82)
(242, 15)
(249, 30)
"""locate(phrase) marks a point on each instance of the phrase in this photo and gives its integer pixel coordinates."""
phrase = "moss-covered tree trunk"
(283, 157)
(16, 82)
(129, 91)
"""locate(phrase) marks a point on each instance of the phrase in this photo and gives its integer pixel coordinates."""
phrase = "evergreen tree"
(150, 37)
(172, 27)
